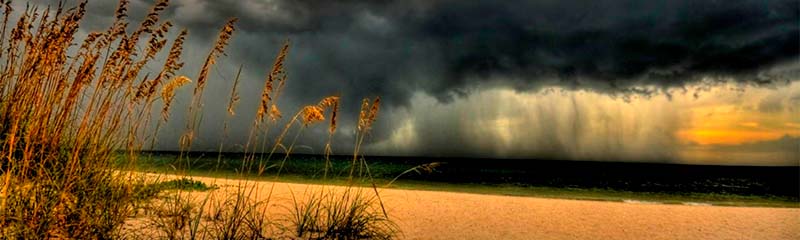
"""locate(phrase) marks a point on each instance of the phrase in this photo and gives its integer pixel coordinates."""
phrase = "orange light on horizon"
(730, 137)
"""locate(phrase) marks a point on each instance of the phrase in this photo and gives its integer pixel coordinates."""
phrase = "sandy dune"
(447, 215)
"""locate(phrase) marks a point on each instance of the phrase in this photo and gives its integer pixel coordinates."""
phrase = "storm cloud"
(450, 50)
(393, 48)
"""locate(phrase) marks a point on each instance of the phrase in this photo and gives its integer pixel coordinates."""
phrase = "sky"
(697, 82)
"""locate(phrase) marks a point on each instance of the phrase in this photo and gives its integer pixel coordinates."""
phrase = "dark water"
(621, 176)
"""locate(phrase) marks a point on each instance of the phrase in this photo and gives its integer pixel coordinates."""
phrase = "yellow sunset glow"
(703, 137)
(757, 114)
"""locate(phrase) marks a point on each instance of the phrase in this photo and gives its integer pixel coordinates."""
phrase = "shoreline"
(586, 194)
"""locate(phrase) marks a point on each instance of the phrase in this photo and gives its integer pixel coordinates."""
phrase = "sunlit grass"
(72, 107)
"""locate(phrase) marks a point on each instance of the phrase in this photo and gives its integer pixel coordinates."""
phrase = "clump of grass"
(351, 213)
(37, 209)
(147, 191)
(65, 115)
(239, 216)
(234, 216)
(184, 184)
(348, 214)
(175, 217)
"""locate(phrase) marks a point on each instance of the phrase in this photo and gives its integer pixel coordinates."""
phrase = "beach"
(449, 215)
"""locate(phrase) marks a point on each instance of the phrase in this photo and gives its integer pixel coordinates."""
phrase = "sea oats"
(277, 74)
(143, 91)
(334, 113)
(373, 112)
(328, 101)
(331, 103)
(234, 94)
(224, 36)
(274, 113)
(173, 62)
(6, 13)
(152, 18)
(122, 10)
(168, 93)
(362, 115)
(312, 114)
(265, 99)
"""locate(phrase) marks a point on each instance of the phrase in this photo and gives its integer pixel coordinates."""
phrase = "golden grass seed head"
(373, 112)
(362, 115)
(331, 102)
(334, 113)
(277, 74)
(169, 90)
(122, 10)
(234, 93)
(312, 114)
(328, 101)
(265, 99)
(274, 113)
(168, 93)
(225, 35)
(232, 105)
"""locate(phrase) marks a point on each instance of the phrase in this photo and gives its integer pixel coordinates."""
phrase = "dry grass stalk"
(64, 115)
(224, 36)
(62, 122)
(368, 113)
(6, 4)
(194, 113)
(274, 113)
(276, 74)
(363, 114)
(312, 114)
(168, 93)
(152, 17)
(234, 99)
(171, 64)
(122, 10)
(334, 113)
(373, 112)
(332, 103)
(367, 116)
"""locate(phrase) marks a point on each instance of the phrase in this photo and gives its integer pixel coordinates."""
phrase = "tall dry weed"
(66, 117)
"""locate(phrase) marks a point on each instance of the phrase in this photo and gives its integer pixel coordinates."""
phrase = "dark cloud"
(392, 48)
(447, 48)
(395, 49)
